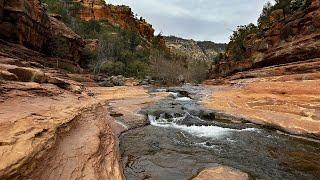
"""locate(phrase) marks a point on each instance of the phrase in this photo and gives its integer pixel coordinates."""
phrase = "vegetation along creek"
(183, 138)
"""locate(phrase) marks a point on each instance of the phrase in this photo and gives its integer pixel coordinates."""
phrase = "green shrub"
(112, 68)
(59, 47)
(237, 44)
(137, 68)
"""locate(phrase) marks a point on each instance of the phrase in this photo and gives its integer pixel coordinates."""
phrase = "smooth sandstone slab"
(221, 173)
(286, 103)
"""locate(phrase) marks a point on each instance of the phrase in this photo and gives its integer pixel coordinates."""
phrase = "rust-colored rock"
(24, 22)
(288, 39)
(221, 173)
(119, 15)
(288, 103)
(27, 23)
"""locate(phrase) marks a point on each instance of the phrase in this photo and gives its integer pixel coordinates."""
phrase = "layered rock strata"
(26, 22)
(118, 15)
(288, 39)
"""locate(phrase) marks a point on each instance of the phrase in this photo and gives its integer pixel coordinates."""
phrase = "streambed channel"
(183, 138)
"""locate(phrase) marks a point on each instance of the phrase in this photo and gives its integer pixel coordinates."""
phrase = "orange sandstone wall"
(119, 15)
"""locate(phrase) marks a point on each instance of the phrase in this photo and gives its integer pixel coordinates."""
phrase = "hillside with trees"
(283, 24)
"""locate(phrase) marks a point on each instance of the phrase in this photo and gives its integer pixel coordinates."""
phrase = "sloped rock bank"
(286, 102)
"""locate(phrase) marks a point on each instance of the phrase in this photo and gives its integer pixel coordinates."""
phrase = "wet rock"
(221, 173)
(147, 81)
(190, 120)
(144, 83)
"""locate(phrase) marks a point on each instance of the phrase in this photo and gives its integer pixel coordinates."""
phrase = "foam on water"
(173, 94)
(184, 99)
(200, 131)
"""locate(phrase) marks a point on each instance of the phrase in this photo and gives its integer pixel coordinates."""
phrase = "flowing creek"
(183, 138)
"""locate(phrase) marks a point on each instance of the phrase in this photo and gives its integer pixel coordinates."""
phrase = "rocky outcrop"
(287, 39)
(118, 15)
(194, 50)
(27, 23)
(221, 173)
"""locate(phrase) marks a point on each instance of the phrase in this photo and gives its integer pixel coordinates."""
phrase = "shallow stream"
(183, 138)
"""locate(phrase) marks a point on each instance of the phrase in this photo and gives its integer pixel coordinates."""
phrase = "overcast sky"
(196, 19)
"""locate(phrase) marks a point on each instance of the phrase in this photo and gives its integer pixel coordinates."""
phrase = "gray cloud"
(196, 19)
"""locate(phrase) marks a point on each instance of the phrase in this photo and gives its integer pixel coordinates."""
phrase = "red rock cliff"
(288, 39)
(27, 23)
(24, 22)
(120, 15)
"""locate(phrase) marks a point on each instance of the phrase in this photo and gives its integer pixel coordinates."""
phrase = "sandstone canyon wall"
(27, 23)
(119, 15)
(287, 39)
(24, 22)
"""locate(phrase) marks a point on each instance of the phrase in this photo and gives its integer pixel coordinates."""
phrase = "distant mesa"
(195, 50)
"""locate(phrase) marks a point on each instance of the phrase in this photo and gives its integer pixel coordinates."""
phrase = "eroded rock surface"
(289, 102)
(26, 22)
(221, 173)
